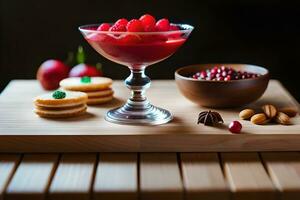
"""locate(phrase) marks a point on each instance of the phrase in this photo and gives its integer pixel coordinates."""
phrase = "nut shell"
(246, 114)
(269, 110)
(259, 119)
(291, 112)
(282, 118)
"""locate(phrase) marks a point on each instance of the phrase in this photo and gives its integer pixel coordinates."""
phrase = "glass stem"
(138, 82)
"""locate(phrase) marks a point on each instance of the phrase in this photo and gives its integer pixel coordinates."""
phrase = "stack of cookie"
(61, 104)
(98, 89)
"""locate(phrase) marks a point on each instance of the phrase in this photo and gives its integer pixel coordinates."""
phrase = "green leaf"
(80, 56)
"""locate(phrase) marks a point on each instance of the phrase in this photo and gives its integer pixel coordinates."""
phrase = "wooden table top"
(23, 131)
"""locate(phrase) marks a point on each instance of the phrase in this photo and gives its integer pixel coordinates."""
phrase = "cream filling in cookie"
(60, 112)
(60, 105)
(100, 93)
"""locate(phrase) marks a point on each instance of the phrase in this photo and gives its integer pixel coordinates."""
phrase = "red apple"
(82, 69)
(51, 72)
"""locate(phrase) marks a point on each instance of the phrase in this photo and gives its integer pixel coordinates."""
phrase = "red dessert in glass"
(137, 44)
(135, 48)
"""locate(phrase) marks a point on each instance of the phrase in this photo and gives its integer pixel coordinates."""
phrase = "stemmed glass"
(137, 50)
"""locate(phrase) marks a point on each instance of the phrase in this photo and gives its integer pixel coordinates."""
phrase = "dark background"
(265, 33)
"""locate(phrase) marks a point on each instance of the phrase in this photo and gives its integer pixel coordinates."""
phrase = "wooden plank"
(8, 164)
(284, 170)
(32, 177)
(73, 177)
(116, 177)
(92, 133)
(247, 177)
(203, 177)
(160, 177)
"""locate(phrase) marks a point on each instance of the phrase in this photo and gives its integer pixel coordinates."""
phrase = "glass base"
(139, 115)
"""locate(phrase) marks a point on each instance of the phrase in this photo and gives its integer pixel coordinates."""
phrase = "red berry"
(135, 25)
(163, 25)
(203, 74)
(195, 76)
(117, 28)
(235, 127)
(148, 22)
(227, 78)
(122, 21)
(214, 70)
(223, 68)
(103, 27)
(220, 79)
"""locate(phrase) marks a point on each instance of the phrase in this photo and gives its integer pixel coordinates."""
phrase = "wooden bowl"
(222, 94)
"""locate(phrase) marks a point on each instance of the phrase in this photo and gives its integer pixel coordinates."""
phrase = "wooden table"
(155, 176)
(151, 176)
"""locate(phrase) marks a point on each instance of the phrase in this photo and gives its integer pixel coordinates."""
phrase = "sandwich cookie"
(86, 83)
(61, 104)
(98, 89)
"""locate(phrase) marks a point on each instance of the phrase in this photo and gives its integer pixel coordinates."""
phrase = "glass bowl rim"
(188, 28)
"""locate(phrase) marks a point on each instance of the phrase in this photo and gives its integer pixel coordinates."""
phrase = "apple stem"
(80, 56)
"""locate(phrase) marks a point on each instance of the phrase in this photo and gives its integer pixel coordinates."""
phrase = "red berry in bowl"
(122, 22)
(235, 127)
(103, 27)
(135, 25)
(148, 22)
(118, 28)
(163, 25)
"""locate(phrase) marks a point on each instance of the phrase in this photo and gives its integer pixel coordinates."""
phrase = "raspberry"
(135, 25)
(148, 22)
(122, 21)
(163, 25)
(103, 27)
(118, 28)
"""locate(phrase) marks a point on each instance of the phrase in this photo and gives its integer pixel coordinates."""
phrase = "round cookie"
(71, 99)
(100, 93)
(99, 100)
(73, 112)
(75, 84)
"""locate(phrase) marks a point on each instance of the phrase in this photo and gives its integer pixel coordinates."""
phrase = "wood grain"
(73, 177)
(32, 178)
(116, 177)
(8, 164)
(203, 177)
(160, 177)
(284, 169)
(91, 133)
(247, 177)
